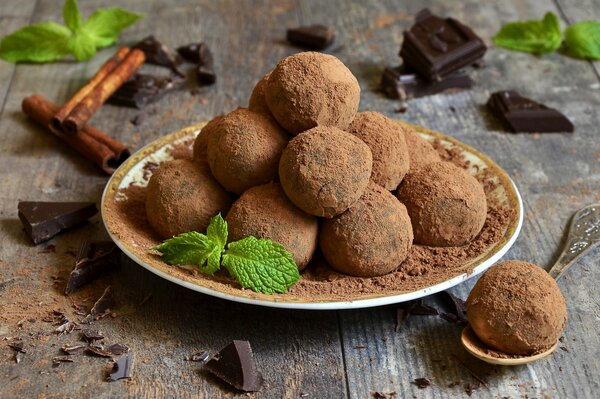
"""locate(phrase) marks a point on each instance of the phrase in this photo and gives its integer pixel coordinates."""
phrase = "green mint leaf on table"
(261, 265)
(104, 25)
(43, 42)
(49, 41)
(71, 15)
(187, 249)
(583, 40)
(533, 36)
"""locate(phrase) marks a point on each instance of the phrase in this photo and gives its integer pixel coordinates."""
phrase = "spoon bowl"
(584, 234)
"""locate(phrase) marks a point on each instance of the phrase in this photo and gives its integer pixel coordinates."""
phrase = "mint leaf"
(261, 265)
(217, 230)
(104, 25)
(47, 41)
(82, 46)
(214, 262)
(583, 40)
(71, 15)
(531, 36)
(186, 249)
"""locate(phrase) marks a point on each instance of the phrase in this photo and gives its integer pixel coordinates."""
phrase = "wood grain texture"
(322, 354)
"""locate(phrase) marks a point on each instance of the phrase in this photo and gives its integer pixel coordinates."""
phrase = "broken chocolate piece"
(44, 220)
(521, 114)
(94, 259)
(142, 89)
(422, 383)
(91, 335)
(108, 351)
(457, 307)
(419, 308)
(402, 83)
(122, 368)
(102, 305)
(158, 54)
(315, 37)
(194, 52)
(206, 67)
(234, 365)
(435, 47)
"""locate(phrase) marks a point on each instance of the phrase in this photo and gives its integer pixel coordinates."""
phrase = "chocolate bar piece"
(402, 83)
(141, 90)
(315, 37)
(158, 54)
(434, 47)
(206, 67)
(521, 114)
(94, 258)
(122, 368)
(234, 365)
(44, 220)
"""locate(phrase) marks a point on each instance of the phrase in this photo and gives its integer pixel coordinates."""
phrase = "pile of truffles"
(302, 167)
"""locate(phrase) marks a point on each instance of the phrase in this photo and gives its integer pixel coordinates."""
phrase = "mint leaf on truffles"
(191, 248)
(583, 40)
(217, 230)
(534, 36)
(261, 265)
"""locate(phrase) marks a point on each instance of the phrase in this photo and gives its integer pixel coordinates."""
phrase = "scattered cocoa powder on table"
(425, 266)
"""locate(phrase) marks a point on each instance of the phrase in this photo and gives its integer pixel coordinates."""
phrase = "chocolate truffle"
(325, 170)
(246, 150)
(385, 138)
(266, 212)
(310, 89)
(183, 196)
(517, 308)
(420, 151)
(372, 238)
(258, 102)
(447, 206)
(201, 142)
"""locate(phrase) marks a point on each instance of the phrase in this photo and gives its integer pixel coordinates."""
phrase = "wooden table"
(329, 354)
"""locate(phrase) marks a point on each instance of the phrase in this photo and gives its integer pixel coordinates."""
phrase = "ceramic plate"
(134, 172)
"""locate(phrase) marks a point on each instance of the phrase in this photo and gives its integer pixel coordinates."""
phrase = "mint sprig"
(532, 36)
(583, 40)
(258, 264)
(49, 41)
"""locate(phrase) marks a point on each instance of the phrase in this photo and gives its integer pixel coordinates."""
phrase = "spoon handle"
(584, 234)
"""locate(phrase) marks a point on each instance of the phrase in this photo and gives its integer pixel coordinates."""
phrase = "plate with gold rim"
(134, 237)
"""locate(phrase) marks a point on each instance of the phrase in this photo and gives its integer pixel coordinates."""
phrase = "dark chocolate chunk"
(206, 66)
(403, 83)
(234, 365)
(422, 383)
(456, 306)
(419, 308)
(435, 47)
(94, 259)
(108, 351)
(122, 368)
(521, 114)
(315, 37)
(142, 89)
(194, 52)
(44, 220)
(102, 305)
(159, 54)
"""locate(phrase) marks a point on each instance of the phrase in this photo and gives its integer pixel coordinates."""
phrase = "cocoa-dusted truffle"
(201, 142)
(246, 150)
(372, 238)
(385, 138)
(325, 170)
(310, 89)
(258, 102)
(517, 308)
(420, 151)
(266, 212)
(183, 196)
(447, 206)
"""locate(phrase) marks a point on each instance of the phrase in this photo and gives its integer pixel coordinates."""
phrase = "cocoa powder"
(425, 266)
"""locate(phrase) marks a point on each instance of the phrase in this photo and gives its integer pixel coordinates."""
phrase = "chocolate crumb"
(422, 383)
(384, 395)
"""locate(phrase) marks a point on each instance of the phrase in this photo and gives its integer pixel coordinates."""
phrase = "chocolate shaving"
(74, 350)
(65, 328)
(422, 383)
(57, 360)
(94, 259)
(122, 368)
(91, 335)
(101, 307)
(108, 351)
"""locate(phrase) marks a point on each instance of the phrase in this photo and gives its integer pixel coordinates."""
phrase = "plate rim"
(316, 305)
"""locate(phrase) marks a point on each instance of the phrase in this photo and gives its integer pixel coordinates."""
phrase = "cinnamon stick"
(98, 147)
(94, 99)
(102, 73)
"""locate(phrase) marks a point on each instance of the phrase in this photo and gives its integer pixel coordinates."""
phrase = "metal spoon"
(584, 234)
